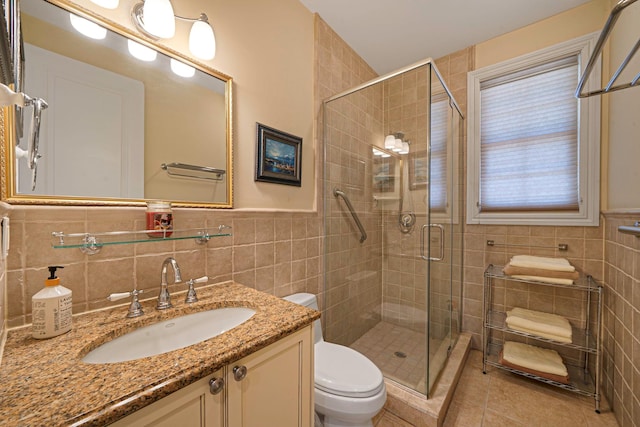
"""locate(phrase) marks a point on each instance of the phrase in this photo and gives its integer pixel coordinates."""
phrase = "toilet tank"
(309, 301)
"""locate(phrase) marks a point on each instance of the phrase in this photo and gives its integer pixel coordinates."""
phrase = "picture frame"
(384, 175)
(278, 156)
(418, 170)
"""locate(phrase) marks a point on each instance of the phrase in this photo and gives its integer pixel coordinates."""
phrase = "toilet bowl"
(349, 388)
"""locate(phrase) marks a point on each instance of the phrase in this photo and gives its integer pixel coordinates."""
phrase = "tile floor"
(503, 399)
(399, 352)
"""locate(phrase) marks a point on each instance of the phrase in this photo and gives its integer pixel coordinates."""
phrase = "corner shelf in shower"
(91, 243)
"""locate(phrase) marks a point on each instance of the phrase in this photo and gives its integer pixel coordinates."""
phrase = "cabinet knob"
(216, 385)
(239, 372)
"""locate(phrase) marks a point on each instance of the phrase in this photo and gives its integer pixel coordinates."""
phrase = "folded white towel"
(530, 261)
(539, 321)
(536, 358)
(554, 280)
(540, 334)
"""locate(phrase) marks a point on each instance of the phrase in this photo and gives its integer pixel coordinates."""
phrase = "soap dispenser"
(51, 308)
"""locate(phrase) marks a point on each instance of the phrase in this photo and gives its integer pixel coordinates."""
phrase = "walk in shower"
(393, 225)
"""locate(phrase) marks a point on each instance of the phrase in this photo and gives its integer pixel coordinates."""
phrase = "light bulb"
(182, 69)
(405, 148)
(158, 18)
(202, 41)
(107, 4)
(389, 142)
(88, 28)
(397, 145)
(141, 52)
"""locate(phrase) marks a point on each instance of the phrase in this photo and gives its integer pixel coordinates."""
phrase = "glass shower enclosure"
(393, 226)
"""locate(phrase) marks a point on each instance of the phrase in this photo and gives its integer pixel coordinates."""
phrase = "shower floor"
(399, 352)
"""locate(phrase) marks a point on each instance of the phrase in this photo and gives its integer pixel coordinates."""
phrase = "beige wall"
(624, 126)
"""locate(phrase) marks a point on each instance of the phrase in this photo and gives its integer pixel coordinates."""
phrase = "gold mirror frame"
(8, 130)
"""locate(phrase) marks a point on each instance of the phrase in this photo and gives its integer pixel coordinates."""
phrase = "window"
(440, 135)
(533, 151)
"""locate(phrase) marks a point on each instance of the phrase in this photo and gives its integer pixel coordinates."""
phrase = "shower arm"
(363, 234)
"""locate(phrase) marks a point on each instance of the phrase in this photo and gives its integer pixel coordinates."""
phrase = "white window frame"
(588, 141)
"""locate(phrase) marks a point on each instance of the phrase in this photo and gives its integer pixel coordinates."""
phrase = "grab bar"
(193, 170)
(363, 234)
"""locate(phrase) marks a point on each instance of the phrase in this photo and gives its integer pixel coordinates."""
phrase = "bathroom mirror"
(118, 130)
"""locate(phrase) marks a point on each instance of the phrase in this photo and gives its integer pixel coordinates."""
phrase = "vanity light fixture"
(88, 28)
(379, 153)
(155, 19)
(107, 4)
(395, 142)
(141, 52)
(182, 69)
(389, 142)
(405, 148)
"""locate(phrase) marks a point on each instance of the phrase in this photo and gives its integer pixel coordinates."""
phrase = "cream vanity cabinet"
(273, 386)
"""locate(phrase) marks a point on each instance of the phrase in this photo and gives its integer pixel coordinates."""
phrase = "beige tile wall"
(353, 270)
(278, 253)
(621, 335)
(585, 252)
(406, 110)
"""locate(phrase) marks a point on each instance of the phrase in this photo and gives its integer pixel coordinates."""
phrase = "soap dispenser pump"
(51, 308)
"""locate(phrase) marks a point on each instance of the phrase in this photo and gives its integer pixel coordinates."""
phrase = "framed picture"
(418, 170)
(279, 157)
(384, 174)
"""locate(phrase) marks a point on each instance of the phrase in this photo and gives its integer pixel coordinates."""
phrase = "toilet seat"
(342, 371)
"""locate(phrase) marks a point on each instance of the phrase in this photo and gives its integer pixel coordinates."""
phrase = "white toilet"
(349, 388)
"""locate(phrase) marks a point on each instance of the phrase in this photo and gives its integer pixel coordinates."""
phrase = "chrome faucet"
(164, 299)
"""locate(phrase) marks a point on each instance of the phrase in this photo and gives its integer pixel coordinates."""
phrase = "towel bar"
(560, 247)
(634, 229)
(193, 171)
(606, 31)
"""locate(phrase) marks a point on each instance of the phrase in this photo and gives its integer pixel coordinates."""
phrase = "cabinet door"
(277, 389)
(192, 406)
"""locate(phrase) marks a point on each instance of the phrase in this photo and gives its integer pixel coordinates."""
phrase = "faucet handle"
(135, 309)
(191, 293)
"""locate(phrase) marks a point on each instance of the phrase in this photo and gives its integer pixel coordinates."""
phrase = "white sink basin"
(169, 335)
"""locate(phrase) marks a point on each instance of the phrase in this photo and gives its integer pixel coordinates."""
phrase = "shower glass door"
(390, 294)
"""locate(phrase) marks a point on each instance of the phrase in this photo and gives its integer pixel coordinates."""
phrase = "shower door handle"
(422, 255)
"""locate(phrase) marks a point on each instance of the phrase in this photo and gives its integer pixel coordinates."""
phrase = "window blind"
(529, 139)
(440, 112)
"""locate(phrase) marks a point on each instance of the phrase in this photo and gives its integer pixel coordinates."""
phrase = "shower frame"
(352, 260)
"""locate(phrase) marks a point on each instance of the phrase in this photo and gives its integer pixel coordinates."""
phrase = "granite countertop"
(44, 382)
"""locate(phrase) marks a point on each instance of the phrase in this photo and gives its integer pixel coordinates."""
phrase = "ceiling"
(390, 34)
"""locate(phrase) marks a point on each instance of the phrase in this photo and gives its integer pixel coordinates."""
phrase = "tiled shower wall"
(278, 253)
(349, 156)
(353, 269)
(405, 272)
(621, 319)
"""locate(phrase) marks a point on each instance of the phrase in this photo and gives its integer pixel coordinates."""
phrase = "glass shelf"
(91, 243)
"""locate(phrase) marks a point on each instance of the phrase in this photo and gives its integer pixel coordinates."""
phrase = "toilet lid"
(343, 371)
